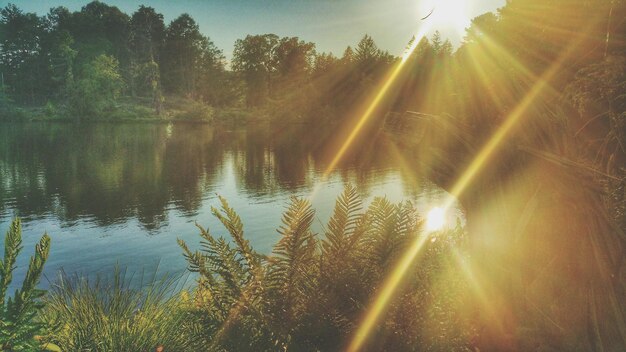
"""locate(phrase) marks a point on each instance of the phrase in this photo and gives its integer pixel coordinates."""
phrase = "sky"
(331, 24)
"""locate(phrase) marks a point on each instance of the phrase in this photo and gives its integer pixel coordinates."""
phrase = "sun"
(447, 15)
(435, 219)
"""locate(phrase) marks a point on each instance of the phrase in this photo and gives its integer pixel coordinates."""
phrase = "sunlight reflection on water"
(110, 194)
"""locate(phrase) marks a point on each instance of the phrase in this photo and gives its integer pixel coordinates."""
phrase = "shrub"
(311, 294)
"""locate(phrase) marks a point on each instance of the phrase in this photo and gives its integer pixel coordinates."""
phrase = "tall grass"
(118, 313)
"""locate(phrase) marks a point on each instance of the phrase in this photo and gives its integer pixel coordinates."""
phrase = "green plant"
(115, 314)
(311, 293)
(18, 314)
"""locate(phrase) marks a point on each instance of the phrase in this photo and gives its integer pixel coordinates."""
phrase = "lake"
(121, 193)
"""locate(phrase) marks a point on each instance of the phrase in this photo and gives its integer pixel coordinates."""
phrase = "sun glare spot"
(446, 14)
(435, 219)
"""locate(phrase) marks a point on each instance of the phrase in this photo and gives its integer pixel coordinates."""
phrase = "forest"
(525, 126)
(85, 64)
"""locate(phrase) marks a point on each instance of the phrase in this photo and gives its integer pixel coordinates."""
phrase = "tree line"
(87, 59)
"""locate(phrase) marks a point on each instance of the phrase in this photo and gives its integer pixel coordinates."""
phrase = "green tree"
(254, 58)
(367, 54)
(189, 58)
(59, 57)
(20, 51)
(100, 29)
(147, 34)
(149, 80)
(294, 57)
(147, 37)
(97, 89)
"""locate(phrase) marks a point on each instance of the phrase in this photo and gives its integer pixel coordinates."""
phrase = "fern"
(18, 323)
(293, 253)
(231, 282)
(229, 218)
(383, 240)
(342, 224)
(302, 298)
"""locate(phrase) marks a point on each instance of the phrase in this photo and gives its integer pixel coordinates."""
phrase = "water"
(112, 194)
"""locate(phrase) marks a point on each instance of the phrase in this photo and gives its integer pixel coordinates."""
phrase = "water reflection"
(110, 173)
(99, 188)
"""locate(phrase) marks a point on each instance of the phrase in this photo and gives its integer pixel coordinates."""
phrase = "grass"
(115, 314)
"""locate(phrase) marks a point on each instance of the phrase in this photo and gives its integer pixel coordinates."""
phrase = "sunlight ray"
(386, 293)
(512, 120)
(371, 107)
(495, 98)
(377, 308)
(478, 290)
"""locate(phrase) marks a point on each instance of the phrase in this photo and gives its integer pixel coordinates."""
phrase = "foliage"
(311, 293)
(115, 314)
(253, 58)
(195, 111)
(20, 49)
(97, 89)
(599, 93)
(19, 314)
(147, 34)
(190, 60)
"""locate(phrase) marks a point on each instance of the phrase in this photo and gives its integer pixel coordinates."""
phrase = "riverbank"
(136, 109)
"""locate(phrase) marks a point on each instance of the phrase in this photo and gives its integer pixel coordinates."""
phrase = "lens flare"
(446, 15)
(435, 219)
(486, 153)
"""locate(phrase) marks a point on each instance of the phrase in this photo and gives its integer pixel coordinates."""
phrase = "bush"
(195, 111)
(312, 294)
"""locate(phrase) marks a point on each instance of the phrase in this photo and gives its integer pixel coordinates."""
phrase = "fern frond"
(18, 317)
(390, 226)
(12, 248)
(342, 223)
(295, 231)
(293, 257)
(232, 222)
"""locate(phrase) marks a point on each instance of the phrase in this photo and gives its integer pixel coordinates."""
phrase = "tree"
(59, 55)
(20, 50)
(367, 54)
(147, 35)
(324, 63)
(482, 27)
(294, 57)
(598, 94)
(348, 56)
(97, 89)
(212, 82)
(254, 58)
(150, 82)
(100, 29)
(115, 28)
(189, 58)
